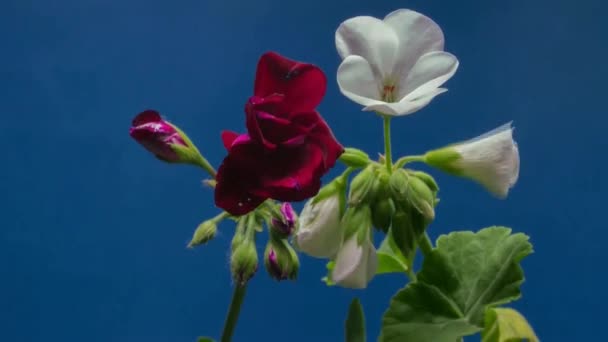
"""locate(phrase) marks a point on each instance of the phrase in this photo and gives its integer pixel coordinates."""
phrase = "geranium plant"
(393, 67)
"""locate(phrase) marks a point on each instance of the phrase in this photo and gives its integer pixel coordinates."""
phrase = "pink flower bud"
(156, 135)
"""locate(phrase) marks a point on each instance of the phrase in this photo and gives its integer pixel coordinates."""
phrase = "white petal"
(357, 82)
(371, 39)
(355, 265)
(491, 159)
(405, 106)
(320, 233)
(429, 73)
(418, 35)
(372, 262)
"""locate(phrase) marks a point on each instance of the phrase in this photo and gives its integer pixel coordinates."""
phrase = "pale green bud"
(205, 232)
(356, 158)
(382, 205)
(356, 219)
(383, 210)
(361, 186)
(336, 187)
(404, 234)
(244, 261)
(427, 179)
(420, 196)
(398, 184)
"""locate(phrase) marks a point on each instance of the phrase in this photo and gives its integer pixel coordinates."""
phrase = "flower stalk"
(233, 312)
(387, 143)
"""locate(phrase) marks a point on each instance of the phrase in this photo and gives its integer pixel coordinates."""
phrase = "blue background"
(93, 228)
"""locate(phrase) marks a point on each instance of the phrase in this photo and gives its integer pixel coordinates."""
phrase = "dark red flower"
(289, 146)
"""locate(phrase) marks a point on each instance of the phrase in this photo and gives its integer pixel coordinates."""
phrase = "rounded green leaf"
(466, 273)
(506, 325)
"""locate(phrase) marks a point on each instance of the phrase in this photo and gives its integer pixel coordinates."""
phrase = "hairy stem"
(205, 165)
(408, 159)
(426, 246)
(233, 312)
(387, 143)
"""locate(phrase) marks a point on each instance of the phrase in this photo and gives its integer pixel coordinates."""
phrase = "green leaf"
(506, 325)
(390, 258)
(355, 323)
(464, 275)
(205, 339)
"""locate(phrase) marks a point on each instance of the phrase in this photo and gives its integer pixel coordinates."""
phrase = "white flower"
(320, 232)
(355, 264)
(491, 159)
(393, 66)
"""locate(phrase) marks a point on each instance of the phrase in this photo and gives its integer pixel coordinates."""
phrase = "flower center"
(389, 92)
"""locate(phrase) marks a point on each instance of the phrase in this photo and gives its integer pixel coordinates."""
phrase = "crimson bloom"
(288, 147)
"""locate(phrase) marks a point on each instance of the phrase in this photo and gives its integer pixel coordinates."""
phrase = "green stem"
(408, 159)
(233, 313)
(205, 165)
(411, 274)
(220, 217)
(426, 246)
(387, 143)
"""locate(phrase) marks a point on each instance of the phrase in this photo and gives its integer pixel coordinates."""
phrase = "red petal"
(145, 117)
(237, 176)
(294, 174)
(302, 84)
(228, 137)
(271, 131)
(324, 138)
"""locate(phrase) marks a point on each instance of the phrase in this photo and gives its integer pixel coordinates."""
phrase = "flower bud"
(404, 234)
(356, 262)
(281, 260)
(165, 140)
(320, 232)
(284, 225)
(382, 204)
(336, 187)
(492, 160)
(382, 213)
(398, 183)
(427, 179)
(244, 261)
(356, 158)
(421, 197)
(361, 185)
(205, 232)
(356, 219)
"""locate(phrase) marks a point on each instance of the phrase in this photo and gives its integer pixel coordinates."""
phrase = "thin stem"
(411, 274)
(426, 246)
(220, 217)
(410, 267)
(233, 313)
(205, 165)
(408, 159)
(387, 143)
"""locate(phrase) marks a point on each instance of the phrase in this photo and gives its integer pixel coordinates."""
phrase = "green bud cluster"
(400, 202)
(415, 196)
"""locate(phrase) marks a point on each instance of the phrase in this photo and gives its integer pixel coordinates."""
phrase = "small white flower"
(355, 264)
(393, 66)
(491, 159)
(320, 232)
